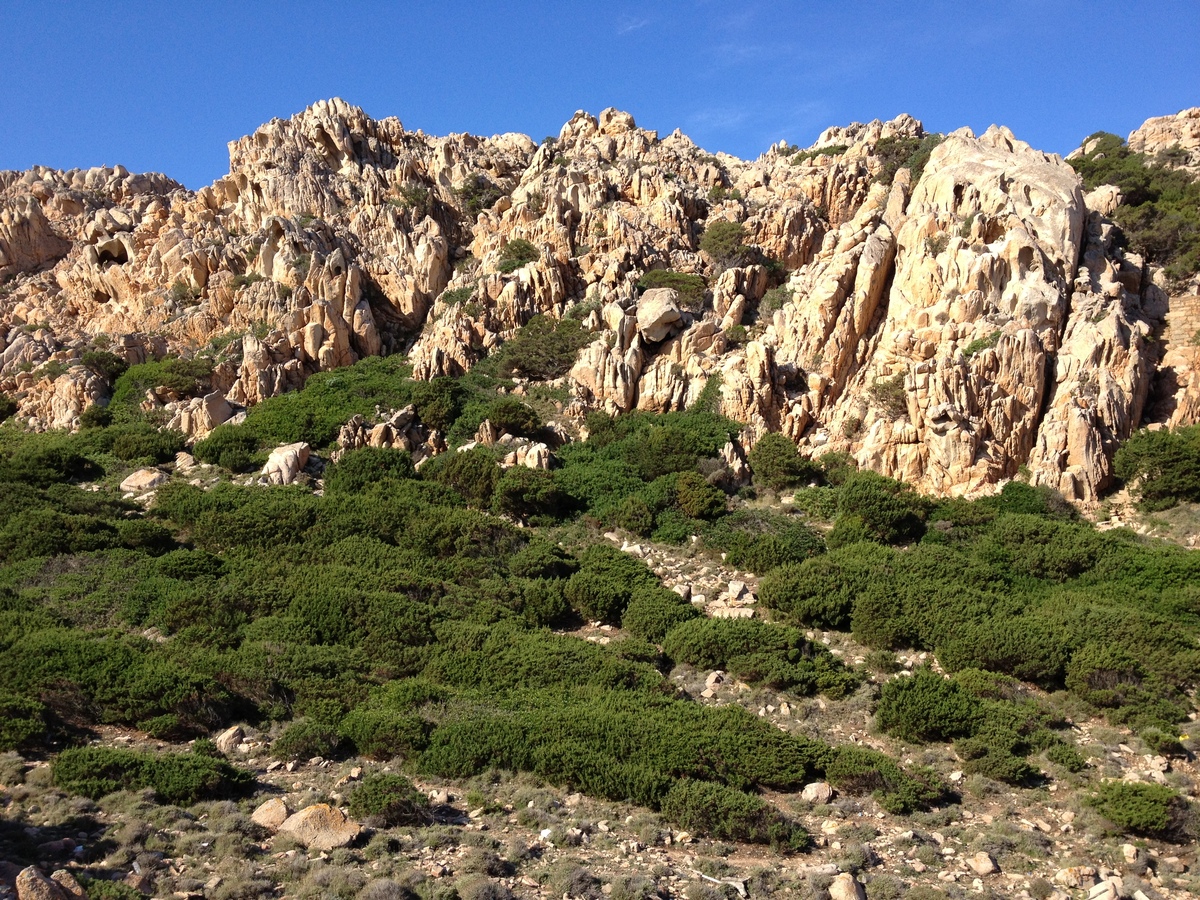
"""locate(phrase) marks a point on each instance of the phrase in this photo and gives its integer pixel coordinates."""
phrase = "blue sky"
(158, 89)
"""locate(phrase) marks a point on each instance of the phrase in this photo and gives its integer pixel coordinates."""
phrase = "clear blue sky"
(158, 89)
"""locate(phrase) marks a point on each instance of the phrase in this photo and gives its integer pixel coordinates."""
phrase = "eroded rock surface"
(946, 328)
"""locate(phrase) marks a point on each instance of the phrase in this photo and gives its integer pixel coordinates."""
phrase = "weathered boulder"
(320, 827)
(145, 480)
(33, 885)
(285, 463)
(817, 792)
(657, 313)
(982, 864)
(228, 740)
(846, 887)
(271, 814)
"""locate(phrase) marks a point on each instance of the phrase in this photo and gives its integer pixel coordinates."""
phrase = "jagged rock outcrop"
(1180, 131)
(946, 328)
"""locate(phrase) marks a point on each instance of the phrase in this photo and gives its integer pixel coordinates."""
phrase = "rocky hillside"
(947, 309)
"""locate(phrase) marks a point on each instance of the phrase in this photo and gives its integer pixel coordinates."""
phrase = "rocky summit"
(947, 309)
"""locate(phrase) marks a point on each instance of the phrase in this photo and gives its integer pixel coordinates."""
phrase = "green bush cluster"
(1161, 467)
(778, 465)
(994, 726)
(732, 815)
(543, 349)
(689, 287)
(183, 377)
(903, 152)
(386, 617)
(1159, 211)
(389, 801)
(1151, 810)
(723, 240)
(759, 652)
(177, 778)
(517, 253)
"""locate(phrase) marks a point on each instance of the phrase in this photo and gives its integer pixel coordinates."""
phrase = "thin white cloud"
(628, 24)
(717, 118)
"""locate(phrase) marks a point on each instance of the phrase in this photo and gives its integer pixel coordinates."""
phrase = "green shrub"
(145, 443)
(231, 447)
(696, 498)
(306, 738)
(759, 652)
(1152, 810)
(732, 815)
(185, 377)
(773, 300)
(891, 512)
(543, 349)
(358, 470)
(22, 722)
(529, 495)
(389, 800)
(689, 287)
(777, 463)
(634, 514)
(653, 612)
(382, 732)
(107, 365)
(516, 253)
(784, 544)
(95, 416)
(1066, 756)
(511, 416)
(890, 395)
(473, 474)
(477, 193)
(814, 593)
(926, 707)
(722, 240)
(8, 406)
(980, 344)
(1159, 213)
(899, 152)
(1161, 467)
(177, 778)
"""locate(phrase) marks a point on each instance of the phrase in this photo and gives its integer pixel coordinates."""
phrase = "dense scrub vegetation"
(1160, 205)
(403, 613)
(1161, 467)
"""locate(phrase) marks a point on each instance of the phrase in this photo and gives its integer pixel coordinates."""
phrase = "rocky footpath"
(946, 326)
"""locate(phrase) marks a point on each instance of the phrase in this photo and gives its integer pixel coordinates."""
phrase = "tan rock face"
(946, 329)
(1181, 131)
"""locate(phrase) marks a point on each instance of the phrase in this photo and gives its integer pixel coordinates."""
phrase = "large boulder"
(145, 480)
(657, 313)
(321, 827)
(33, 885)
(271, 814)
(285, 463)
